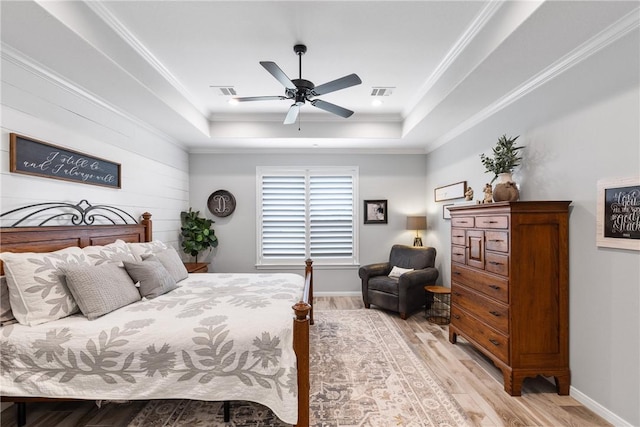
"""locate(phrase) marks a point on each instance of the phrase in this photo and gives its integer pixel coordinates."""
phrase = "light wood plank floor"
(471, 379)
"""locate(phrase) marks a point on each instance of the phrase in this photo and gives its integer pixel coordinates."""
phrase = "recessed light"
(376, 102)
(233, 101)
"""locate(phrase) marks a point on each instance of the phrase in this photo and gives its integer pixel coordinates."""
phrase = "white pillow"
(147, 248)
(117, 251)
(36, 291)
(397, 272)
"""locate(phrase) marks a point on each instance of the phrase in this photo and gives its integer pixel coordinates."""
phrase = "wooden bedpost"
(148, 229)
(308, 272)
(301, 348)
(304, 316)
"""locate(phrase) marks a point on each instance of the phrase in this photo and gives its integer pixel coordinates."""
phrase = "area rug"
(362, 374)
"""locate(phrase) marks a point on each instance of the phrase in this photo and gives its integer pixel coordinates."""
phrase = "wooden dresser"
(509, 287)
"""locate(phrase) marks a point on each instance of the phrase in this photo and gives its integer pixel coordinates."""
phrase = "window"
(307, 213)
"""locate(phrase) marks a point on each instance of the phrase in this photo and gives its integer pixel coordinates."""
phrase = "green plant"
(197, 234)
(505, 157)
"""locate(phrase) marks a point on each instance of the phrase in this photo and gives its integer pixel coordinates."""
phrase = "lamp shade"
(416, 223)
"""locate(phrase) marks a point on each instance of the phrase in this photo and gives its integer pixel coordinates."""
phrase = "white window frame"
(307, 171)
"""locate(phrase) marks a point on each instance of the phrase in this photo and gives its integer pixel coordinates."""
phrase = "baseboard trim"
(598, 408)
(337, 294)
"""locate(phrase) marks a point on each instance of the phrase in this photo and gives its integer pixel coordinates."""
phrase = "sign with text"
(622, 212)
(618, 213)
(32, 157)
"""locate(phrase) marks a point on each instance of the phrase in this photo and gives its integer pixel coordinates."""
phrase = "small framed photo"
(450, 192)
(375, 211)
(618, 213)
(446, 213)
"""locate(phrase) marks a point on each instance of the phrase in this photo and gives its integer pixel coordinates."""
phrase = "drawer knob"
(457, 273)
(457, 316)
(496, 240)
(494, 342)
(495, 287)
(494, 313)
(495, 263)
(492, 222)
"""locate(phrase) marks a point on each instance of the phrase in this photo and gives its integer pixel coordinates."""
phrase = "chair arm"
(423, 277)
(371, 270)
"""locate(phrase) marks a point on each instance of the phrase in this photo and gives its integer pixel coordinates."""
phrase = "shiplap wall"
(155, 170)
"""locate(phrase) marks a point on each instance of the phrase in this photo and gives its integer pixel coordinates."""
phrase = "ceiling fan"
(300, 90)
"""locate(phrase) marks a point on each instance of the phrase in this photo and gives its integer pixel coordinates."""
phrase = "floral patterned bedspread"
(216, 337)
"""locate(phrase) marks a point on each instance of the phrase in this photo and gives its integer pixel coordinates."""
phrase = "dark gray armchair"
(405, 294)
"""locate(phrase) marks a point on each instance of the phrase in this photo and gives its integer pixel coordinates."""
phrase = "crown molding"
(134, 43)
(603, 39)
(33, 67)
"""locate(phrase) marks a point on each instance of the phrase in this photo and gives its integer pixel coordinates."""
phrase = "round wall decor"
(221, 203)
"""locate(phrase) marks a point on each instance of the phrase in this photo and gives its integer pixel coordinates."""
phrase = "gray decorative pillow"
(100, 289)
(6, 315)
(154, 279)
(36, 291)
(170, 259)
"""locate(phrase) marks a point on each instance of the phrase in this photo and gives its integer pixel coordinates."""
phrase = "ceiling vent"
(382, 91)
(224, 90)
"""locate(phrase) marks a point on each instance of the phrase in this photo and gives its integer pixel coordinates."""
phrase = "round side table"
(440, 310)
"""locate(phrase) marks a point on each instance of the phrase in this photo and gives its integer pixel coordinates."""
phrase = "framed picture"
(446, 214)
(375, 211)
(618, 213)
(450, 192)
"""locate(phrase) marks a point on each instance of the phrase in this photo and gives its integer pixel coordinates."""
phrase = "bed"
(216, 337)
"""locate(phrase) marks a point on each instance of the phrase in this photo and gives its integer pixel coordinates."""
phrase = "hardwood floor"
(472, 380)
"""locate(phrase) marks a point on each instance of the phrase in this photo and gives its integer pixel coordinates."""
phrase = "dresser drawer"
(493, 286)
(496, 241)
(457, 254)
(488, 311)
(493, 341)
(498, 221)
(497, 263)
(457, 236)
(463, 221)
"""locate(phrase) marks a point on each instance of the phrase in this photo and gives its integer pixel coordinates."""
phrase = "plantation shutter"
(284, 217)
(307, 214)
(331, 216)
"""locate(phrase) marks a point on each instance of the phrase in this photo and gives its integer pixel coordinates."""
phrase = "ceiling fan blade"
(292, 115)
(332, 108)
(260, 98)
(276, 72)
(341, 83)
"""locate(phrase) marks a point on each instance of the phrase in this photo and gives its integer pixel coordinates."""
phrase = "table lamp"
(417, 223)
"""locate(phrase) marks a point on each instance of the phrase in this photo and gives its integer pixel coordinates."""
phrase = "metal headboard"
(82, 213)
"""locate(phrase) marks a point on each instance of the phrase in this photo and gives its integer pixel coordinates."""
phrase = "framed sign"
(32, 157)
(375, 211)
(450, 192)
(618, 213)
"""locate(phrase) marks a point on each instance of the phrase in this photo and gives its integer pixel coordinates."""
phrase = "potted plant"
(197, 234)
(505, 159)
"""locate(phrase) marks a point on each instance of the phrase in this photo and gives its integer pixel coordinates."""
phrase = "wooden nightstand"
(197, 267)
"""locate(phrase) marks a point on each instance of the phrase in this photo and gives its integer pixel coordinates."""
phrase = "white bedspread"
(216, 337)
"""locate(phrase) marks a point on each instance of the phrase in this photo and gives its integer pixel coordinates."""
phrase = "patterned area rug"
(362, 374)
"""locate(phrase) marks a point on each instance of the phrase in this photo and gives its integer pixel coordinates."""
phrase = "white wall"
(397, 178)
(563, 160)
(155, 170)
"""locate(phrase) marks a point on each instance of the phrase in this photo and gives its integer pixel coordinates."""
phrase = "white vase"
(505, 190)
